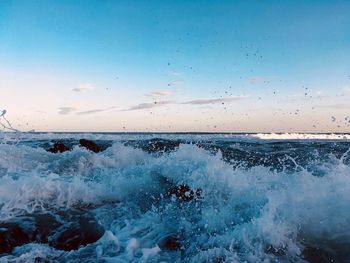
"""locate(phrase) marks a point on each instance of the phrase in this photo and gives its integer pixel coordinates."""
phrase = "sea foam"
(247, 212)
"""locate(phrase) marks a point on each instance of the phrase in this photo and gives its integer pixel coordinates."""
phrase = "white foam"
(300, 136)
(108, 245)
(242, 212)
(148, 253)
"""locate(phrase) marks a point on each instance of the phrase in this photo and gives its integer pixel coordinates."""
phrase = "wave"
(18, 136)
(242, 213)
(301, 136)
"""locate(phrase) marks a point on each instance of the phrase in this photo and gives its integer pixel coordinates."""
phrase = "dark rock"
(66, 230)
(58, 147)
(158, 145)
(154, 145)
(316, 255)
(218, 260)
(45, 225)
(90, 145)
(184, 193)
(170, 243)
(81, 233)
(277, 251)
(11, 235)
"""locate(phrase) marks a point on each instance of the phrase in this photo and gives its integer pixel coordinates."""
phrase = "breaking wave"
(174, 198)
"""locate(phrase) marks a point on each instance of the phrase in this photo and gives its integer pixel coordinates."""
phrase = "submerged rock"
(158, 145)
(277, 251)
(80, 233)
(11, 235)
(155, 145)
(45, 225)
(90, 145)
(58, 147)
(184, 193)
(170, 243)
(66, 231)
(317, 255)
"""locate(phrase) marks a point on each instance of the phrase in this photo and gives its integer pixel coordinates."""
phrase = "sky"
(175, 66)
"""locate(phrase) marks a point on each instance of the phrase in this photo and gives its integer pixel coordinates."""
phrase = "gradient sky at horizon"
(233, 66)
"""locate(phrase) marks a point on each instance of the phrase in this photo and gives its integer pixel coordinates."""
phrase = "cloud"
(90, 111)
(214, 101)
(69, 110)
(84, 87)
(158, 94)
(65, 110)
(87, 112)
(150, 105)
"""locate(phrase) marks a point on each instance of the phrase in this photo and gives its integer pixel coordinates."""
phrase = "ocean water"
(175, 198)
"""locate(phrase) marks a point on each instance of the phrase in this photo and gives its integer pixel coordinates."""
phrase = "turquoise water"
(246, 198)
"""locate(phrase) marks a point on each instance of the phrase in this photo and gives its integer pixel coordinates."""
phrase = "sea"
(175, 197)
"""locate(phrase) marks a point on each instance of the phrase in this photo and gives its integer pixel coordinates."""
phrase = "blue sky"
(273, 66)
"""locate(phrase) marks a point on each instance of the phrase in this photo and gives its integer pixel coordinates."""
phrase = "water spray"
(4, 122)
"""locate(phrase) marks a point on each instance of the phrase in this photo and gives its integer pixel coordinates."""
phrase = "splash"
(4, 122)
(259, 201)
